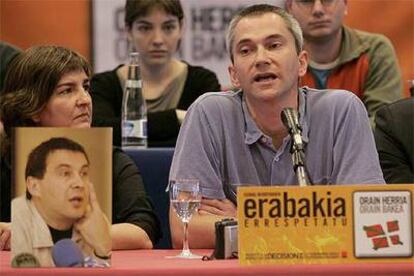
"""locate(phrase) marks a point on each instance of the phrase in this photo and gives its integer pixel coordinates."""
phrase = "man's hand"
(219, 207)
(94, 226)
(5, 235)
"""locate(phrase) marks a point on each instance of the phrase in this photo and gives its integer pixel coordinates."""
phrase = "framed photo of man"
(62, 189)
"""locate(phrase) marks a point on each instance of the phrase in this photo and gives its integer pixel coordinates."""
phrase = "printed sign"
(325, 224)
(386, 222)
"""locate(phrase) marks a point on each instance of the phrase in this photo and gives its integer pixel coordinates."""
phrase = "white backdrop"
(203, 43)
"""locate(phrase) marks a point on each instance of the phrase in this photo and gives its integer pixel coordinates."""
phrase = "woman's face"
(155, 36)
(70, 104)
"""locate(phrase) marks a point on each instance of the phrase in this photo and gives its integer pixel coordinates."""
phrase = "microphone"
(25, 260)
(290, 120)
(66, 253)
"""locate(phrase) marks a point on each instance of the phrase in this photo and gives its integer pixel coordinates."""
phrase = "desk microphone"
(66, 253)
(25, 260)
(290, 119)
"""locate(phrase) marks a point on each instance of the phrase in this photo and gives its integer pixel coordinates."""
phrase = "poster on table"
(325, 224)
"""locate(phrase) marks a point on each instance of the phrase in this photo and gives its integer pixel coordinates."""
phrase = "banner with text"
(325, 224)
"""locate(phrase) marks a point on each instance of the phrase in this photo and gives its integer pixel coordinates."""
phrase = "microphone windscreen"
(25, 260)
(66, 253)
(288, 118)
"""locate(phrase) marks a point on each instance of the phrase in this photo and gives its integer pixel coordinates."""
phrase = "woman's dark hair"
(30, 81)
(139, 8)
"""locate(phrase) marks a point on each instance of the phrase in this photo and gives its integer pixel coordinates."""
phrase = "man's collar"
(252, 131)
(42, 236)
(351, 45)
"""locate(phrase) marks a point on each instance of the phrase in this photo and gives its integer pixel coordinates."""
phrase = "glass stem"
(185, 242)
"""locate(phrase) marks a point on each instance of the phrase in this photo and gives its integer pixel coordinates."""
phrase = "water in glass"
(185, 198)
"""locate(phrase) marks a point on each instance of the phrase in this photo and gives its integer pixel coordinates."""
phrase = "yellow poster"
(325, 224)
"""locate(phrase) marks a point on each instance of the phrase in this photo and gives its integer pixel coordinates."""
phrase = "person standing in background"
(345, 58)
(154, 29)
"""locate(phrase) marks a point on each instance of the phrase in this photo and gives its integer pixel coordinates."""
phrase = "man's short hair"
(291, 23)
(36, 163)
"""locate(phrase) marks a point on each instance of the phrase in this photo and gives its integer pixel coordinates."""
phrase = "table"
(153, 262)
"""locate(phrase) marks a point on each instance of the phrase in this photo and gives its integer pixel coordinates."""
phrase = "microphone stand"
(290, 119)
(299, 167)
(298, 160)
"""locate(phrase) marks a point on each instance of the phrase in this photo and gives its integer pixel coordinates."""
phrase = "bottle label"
(134, 83)
(135, 128)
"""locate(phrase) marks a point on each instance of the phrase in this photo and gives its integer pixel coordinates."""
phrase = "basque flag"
(374, 230)
(392, 226)
(381, 242)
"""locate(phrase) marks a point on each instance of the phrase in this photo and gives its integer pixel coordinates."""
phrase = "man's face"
(266, 65)
(63, 192)
(319, 19)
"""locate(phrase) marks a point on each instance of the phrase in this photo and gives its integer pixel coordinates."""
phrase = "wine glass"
(185, 197)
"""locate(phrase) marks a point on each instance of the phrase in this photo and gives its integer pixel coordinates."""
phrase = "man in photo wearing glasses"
(345, 58)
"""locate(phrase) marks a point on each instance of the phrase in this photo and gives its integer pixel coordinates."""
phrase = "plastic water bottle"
(134, 110)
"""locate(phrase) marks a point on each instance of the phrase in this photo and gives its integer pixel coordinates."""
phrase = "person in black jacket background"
(394, 137)
(7, 53)
(154, 29)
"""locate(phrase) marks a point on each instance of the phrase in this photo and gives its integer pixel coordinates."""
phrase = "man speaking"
(60, 203)
(235, 138)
